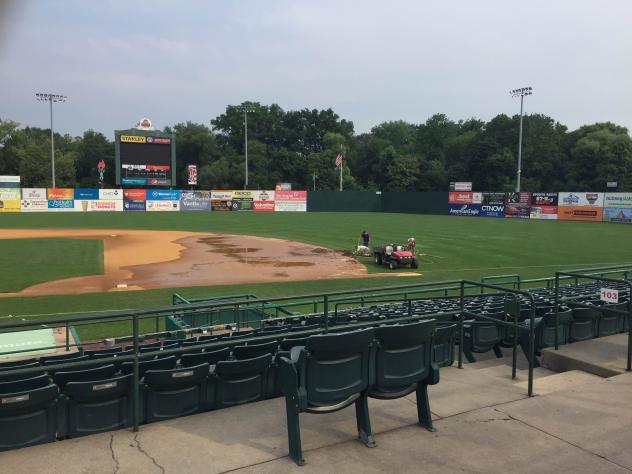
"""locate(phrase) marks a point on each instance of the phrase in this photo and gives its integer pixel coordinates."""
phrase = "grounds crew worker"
(365, 238)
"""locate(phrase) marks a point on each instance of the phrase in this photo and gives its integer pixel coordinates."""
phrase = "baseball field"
(79, 262)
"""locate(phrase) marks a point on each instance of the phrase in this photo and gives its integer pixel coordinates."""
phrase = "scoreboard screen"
(144, 160)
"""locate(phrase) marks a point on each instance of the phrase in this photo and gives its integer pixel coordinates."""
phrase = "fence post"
(315, 306)
(326, 312)
(461, 319)
(557, 309)
(410, 308)
(515, 341)
(531, 346)
(67, 337)
(136, 414)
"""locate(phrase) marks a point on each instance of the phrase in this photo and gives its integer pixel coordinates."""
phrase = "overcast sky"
(370, 61)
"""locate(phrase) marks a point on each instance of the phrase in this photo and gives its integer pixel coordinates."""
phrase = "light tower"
(521, 92)
(50, 98)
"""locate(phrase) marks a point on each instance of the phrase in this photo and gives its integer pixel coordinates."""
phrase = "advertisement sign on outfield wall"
(87, 205)
(544, 212)
(34, 205)
(242, 200)
(575, 199)
(163, 205)
(263, 201)
(618, 214)
(465, 197)
(135, 194)
(518, 205)
(544, 199)
(493, 205)
(469, 210)
(10, 205)
(290, 201)
(60, 194)
(618, 200)
(222, 200)
(163, 195)
(88, 194)
(61, 205)
(195, 201)
(580, 206)
(10, 194)
(134, 205)
(110, 194)
(544, 206)
(34, 193)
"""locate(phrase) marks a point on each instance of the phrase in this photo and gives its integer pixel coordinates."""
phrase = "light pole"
(50, 98)
(520, 93)
(245, 110)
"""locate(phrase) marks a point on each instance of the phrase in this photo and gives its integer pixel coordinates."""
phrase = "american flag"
(338, 160)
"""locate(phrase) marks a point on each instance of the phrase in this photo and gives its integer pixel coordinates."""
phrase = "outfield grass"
(26, 262)
(455, 247)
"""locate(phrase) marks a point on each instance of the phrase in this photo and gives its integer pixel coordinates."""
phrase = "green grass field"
(25, 262)
(455, 247)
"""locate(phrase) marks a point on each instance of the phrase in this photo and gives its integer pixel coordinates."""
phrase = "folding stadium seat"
(28, 417)
(174, 393)
(207, 338)
(60, 359)
(211, 358)
(8, 374)
(584, 323)
(403, 365)
(117, 355)
(255, 350)
(443, 345)
(611, 322)
(18, 363)
(329, 373)
(24, 385)
(481, 336)
(145, 347)
(305, 327)
(565, 318)
(97, 352)
(97, 406)
(99, 373)
(164, 363)
(234, 382)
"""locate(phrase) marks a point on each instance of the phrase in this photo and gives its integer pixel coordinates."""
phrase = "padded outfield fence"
(232, 319)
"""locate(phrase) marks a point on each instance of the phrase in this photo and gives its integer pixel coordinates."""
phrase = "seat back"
(8, 374)
(239, 381)
(56, 359)
(584, 325)
(97, 406)
(443, 345)
(164, 363)
(98, 373)
(255, 350)
(211, 358)
(113, 350)
(28, 417)
(287, 343)
(18, 363)
(25, 385)
(403, 354)
(337, 366)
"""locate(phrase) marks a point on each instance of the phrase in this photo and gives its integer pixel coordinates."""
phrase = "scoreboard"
(144, 158)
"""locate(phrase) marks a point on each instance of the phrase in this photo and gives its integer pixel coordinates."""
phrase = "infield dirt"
(142, 259)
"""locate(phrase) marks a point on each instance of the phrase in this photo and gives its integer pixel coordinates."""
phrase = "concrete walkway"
(485, 423)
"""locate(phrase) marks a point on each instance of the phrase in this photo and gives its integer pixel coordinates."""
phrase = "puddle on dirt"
(294, 264)
(281, 274)
(320, 250)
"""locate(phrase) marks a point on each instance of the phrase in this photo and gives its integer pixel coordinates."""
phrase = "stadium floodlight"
(520, 92)
(246, 110)
(50, 98)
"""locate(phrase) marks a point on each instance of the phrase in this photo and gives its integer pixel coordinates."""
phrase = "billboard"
(195, 201)
(469, 210)
(61, 204)
(110, 194)
(576, 206)
(518, 205)
(465, 197)
(493, 205)
(34, 205)
(10, 205)
(460, 186)
(144, 158)
(618, 200)
(34, 193)
(242, 200)
(135, 194)
(222, 200)
(263, 201)
(10, 181)
(89, 194)
(163, 195)
(618, 214)
(10, 194)
(87, 205)
(162, 205)
(132, 205)
(544, 206)
(290, 201)
(60, 194)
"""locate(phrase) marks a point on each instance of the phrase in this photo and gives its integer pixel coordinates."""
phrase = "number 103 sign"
(609, 296)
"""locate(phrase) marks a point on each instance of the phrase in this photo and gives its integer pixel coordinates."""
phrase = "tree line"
(300, 147)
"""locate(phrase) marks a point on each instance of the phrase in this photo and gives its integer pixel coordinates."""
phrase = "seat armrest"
(295, 353)
(433, 376)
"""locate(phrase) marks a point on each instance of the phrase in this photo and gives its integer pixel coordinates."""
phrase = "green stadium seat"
(61, 378)
(255, 350)
(28, 418)
(164, 363)
(584, 323)
(611, 322)
(481, 336)
(211, 358)
(97, 352)
(329, 373)
(403, 364)
(443, 345)
(9, 375)
(25, 384)
(565, 318)
(59, 359)
(235, 382)
(173, 393)
(97, 406)
(17, 363)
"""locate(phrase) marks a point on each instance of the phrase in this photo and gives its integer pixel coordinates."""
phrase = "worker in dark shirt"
(365, 238)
